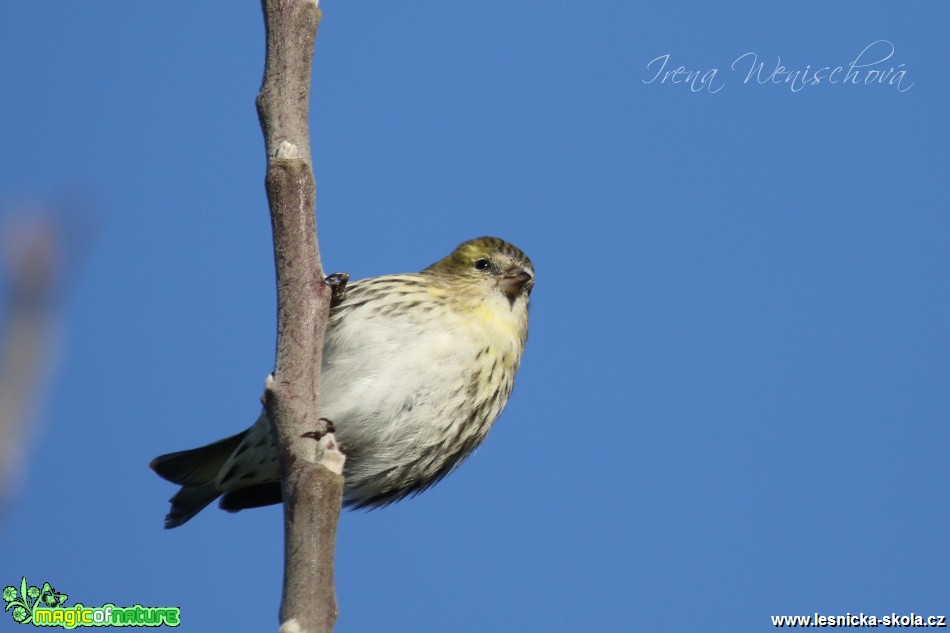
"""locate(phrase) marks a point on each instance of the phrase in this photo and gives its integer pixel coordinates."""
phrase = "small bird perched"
(416, 368)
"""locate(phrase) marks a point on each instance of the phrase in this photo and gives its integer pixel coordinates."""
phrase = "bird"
(416, 369)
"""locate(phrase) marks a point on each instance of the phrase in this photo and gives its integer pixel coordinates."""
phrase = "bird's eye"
(481, 264)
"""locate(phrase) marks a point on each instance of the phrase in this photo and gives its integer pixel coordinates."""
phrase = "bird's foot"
(325, 427)
(337, 283)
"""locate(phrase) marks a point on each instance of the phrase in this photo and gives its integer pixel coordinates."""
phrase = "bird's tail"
(196, 471)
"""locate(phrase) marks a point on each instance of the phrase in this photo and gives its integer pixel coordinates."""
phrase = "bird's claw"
(337, 283)
(325, 428)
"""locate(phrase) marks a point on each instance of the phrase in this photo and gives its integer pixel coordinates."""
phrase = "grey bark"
(311, 462)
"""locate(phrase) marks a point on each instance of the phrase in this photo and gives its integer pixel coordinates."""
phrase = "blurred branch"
(311, 462)
(31, 261)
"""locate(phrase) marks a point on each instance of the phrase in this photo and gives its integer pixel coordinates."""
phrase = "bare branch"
(311, 462)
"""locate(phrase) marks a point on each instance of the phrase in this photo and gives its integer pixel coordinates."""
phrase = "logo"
(46, 607)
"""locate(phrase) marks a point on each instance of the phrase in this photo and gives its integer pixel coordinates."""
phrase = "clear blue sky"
(735, 398)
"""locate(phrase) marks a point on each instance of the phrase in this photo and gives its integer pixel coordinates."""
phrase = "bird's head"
(486, 268)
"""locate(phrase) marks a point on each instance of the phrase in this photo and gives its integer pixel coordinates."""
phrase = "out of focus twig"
(31, 258)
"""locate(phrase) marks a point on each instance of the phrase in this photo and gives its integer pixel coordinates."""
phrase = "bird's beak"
(513, 281)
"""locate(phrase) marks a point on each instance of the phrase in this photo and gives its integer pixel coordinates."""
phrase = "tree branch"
(311, 462)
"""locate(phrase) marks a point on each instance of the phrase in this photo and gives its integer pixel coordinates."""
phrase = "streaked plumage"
(416, 368)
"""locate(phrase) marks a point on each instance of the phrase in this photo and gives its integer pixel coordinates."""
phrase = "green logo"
(45, 607)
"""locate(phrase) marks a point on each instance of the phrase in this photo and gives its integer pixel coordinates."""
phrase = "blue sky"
(734, 401)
